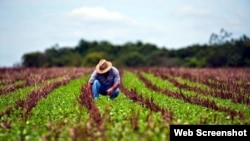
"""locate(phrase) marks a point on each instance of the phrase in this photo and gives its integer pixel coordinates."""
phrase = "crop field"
(40, 104)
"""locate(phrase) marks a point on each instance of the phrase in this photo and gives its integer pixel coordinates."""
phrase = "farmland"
(53, 104)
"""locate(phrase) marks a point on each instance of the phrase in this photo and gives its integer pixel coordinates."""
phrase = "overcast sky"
(35, 25)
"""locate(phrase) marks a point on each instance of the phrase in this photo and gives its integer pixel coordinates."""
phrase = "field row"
(59, 108)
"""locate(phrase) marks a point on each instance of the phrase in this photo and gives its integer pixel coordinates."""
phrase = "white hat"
(103, 66)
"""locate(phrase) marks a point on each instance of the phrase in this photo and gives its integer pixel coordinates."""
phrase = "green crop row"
(60, 116)
(184, 113)
(50, 118)
(9, 99)
(219, 101)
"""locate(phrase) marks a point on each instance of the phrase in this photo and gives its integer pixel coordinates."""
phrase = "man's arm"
(111, 89)
(116, 81)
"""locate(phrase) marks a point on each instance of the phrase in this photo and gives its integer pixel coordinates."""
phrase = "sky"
(35, 25)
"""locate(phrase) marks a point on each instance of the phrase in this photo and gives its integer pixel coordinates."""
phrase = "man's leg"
(96, 88)
(114, 93)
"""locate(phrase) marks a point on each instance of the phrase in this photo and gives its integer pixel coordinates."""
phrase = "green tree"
(34, 59)
(134, 59)
(92, 59)
(82, 47)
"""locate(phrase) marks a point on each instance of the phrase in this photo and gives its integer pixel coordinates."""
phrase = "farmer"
(104, 80)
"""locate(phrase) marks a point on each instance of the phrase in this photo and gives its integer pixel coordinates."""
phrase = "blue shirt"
(112, 78)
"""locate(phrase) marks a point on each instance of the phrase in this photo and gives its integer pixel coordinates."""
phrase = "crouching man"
(104, 80)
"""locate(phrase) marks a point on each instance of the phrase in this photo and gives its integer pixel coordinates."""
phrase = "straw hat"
(103, 66)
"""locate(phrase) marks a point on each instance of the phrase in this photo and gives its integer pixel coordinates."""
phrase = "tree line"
(218, 53)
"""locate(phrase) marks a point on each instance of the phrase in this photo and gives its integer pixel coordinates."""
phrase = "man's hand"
(110, 90)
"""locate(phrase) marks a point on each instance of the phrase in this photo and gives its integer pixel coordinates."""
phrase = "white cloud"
(98, 23)
(98, 14)
(192, 11)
